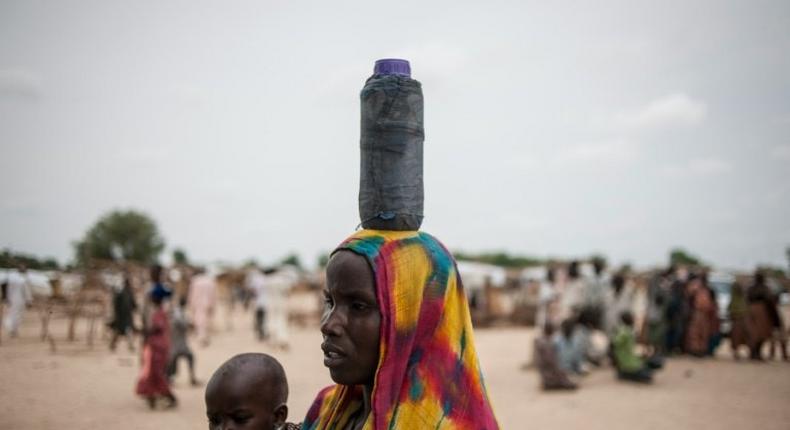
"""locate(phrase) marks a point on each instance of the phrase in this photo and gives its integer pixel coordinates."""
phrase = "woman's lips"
(333, 356)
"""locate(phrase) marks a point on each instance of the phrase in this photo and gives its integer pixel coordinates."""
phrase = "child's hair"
(269, 366)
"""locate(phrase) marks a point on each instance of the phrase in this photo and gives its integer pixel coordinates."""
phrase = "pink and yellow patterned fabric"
(428, 375)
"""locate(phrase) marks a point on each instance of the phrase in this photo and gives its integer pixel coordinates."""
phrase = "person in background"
(655, 322)
(256, 284)
(180, 327)
(677, 311)
(552, 376)
(277, 286)
(762, 314)
(19, 297)
(152, 383)
(572, 296)
(630, 366)
(570, 351)
(739, 317)
(124, 305)
(619, 300)
(779, 336)
(202, 301)
(701, 327)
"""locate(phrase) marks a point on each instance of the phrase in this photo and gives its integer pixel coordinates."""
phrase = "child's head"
(250, 391)
(567, 327)
(627, 318)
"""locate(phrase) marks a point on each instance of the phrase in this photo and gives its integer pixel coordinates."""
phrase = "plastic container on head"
(391, 190)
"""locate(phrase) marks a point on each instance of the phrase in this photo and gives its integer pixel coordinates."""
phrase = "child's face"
(239, 401)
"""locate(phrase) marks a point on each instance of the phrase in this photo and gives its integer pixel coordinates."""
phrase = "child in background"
(181, 325)
(249, 391)
(551, 375)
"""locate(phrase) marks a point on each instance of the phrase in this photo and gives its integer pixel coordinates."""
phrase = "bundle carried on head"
(392, 133)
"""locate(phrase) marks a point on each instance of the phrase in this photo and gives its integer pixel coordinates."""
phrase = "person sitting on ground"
(181, 326)
(551, 375)
(629, 365)
(250, 392)
(570, 348)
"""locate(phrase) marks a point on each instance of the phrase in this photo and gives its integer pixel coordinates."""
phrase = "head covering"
(428, 374)
(160, 291)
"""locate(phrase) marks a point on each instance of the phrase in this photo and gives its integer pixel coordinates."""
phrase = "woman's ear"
(280, 415)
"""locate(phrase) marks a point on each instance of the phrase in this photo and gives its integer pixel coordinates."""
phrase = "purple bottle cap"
(392, 66)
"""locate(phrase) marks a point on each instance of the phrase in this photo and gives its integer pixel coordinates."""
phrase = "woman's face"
(351, 320)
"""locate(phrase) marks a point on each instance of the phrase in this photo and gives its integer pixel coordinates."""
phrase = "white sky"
(552, 128)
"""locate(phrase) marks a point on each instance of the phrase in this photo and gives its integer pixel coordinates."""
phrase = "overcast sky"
(552, 128)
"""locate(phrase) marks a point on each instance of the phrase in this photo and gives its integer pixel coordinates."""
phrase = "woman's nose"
(332, 322)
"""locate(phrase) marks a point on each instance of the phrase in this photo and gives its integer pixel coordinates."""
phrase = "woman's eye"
(359, 306)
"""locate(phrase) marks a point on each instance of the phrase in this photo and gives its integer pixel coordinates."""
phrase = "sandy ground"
(81, 388)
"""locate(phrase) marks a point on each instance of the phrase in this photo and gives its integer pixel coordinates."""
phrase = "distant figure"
(152, 383)
(256, 284)
(762, 315)
(124, 305)
(19, 296)
(630, 366)
(572, 296)
(551, 375)
(202, 301)
(620, 299)
(655, 321)
(570, 351)
(677, 311)
(703, 317)
(248, 391)
(547, 296)
(180, 326)
(738, 312)
(277, 286)
(595, 292)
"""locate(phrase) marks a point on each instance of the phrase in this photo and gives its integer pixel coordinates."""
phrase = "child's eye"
(241, 419)
(359, 306)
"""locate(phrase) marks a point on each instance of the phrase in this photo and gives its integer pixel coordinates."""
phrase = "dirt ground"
(82, 388)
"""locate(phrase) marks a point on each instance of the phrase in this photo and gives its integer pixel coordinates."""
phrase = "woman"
(398, 339)
(762, 315)
(152, 383)
(703, 319)
(738, 312)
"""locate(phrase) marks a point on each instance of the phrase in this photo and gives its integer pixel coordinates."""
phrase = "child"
(180, 326)
(630, 366)
(249, 391)
(551, 375)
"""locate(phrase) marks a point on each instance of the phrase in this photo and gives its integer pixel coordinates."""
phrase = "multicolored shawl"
(428, 375)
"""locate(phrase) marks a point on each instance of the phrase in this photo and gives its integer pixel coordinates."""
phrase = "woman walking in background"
(153, 383)
(761, 317)
(739, 316)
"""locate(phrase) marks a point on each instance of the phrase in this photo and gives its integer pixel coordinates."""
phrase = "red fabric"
(152, 380)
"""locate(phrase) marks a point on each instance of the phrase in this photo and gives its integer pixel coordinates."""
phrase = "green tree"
(180, 256)
(121, 235)
(293, 260)
(680, 256)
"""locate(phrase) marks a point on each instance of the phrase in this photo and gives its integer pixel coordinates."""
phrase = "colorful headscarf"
(428, 376)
